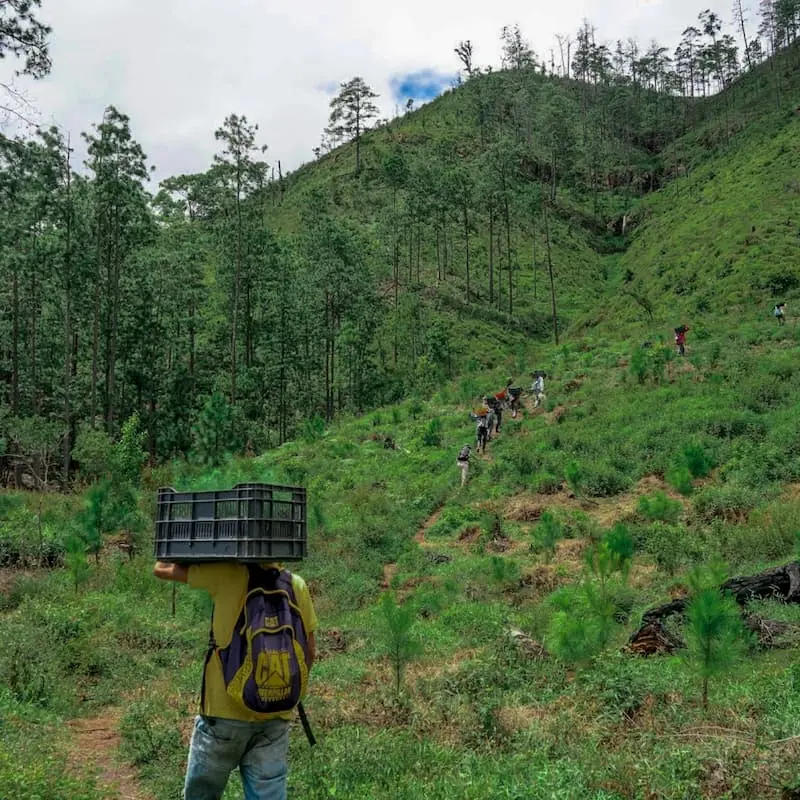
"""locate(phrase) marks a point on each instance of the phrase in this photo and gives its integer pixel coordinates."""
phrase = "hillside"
(669, 454)
(343, 351)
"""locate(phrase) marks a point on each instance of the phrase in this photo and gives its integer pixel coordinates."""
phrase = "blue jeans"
(219, 745)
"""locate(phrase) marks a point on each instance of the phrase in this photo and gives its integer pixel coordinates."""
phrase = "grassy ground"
(480, 712)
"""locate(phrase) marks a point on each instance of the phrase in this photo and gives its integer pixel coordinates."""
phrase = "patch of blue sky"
(422, 85)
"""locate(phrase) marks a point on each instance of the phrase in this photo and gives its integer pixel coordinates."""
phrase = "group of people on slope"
(779, 312)
(488, 418)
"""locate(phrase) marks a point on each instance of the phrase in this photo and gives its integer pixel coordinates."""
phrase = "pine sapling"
(400, 645)
(548, 533)
(715, 633)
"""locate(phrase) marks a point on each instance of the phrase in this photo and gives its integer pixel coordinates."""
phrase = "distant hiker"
(778, 313)
(680, 339)
(482, 432)
(463, 463)
(496, 404)
(514, 397)
(537, 389)
(230, 732)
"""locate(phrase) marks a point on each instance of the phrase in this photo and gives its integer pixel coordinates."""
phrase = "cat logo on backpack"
(265, 666)
(272, 677)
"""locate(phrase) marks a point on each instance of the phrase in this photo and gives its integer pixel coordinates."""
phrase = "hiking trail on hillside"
(94, 747)
(419, 536)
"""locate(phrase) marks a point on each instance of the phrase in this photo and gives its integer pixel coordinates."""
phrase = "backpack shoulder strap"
(212, 647)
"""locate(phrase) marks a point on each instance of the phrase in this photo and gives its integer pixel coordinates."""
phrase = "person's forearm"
(171, 572)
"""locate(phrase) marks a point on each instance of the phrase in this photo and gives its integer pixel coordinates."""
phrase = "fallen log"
(779, 583)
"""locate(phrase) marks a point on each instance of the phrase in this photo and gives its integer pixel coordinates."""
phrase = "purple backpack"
(265, 666)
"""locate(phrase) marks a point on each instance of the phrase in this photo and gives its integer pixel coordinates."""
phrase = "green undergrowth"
(696, 463)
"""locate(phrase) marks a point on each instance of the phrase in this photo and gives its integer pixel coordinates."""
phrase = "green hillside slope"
(725, 239)
(682, 464)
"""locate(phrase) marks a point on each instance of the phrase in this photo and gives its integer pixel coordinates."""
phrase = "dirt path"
(94, 746)
(419, 536)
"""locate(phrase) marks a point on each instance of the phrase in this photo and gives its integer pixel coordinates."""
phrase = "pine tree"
(400, 644)
(214, 431)
(23, 36)
(715, 633)
(351, 110)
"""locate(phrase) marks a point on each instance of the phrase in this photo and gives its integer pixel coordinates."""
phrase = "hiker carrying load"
(514, 397)
(463, 463)
(680, 339)
(537, 388)
(244, 721)
(481, 418)
(496, 404)
(778, 313)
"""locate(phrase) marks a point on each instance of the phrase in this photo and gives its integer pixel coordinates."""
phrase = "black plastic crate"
(251, 522)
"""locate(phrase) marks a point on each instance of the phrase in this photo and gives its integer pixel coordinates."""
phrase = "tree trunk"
(466, 244)
(15, 344)
(550, 272)
(95, 333)
(509, 258)
(34, 318)
(358, 142)
(782, 583)
(66, 456)
(491, 257)
(533, 255)
(111, 353)
(237, 277)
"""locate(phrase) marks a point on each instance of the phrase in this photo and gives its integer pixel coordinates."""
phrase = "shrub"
(601, 479)
(696, 460)
(618, 542)
(504, 573)
(415, 408)
(547, 533)
(680, 479)
(432, 437)
(546, 483)
(659, 507)
(731, 501)
(665, 543)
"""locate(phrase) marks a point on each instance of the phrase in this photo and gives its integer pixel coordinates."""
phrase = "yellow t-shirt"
(227, 585)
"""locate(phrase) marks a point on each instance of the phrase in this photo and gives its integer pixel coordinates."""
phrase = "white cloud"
(178, 67)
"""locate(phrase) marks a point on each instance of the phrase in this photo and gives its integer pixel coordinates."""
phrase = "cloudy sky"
(178, 67)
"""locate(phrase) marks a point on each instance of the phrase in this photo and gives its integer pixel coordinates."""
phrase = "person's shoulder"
(298, 582)
(214, 575)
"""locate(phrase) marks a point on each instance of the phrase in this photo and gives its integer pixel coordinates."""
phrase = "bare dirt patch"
(95, 747)
(606, 511)
(556, 415)
(10, 575)
(419, 536)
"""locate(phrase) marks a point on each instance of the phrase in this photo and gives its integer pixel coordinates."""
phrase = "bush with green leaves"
(696, 459)
(659, 507)
(731, 501)
(504, 573)
(433, 435)
(547, 533)
(666, 543)
(217, 431)
(602, 479)
(680, 479)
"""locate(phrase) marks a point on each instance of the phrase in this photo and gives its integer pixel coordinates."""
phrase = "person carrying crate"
(247, 671)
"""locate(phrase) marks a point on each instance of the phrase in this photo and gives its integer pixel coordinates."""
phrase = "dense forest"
(233, 306)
